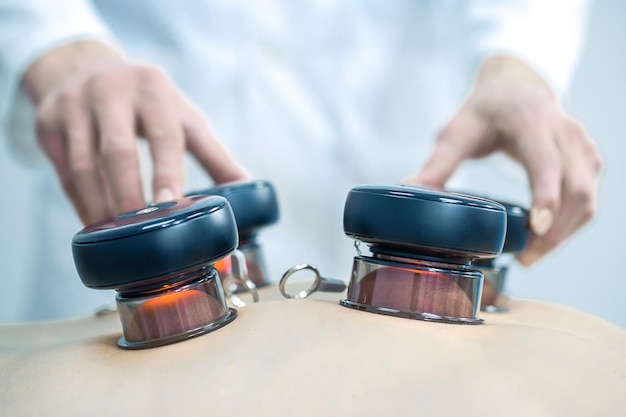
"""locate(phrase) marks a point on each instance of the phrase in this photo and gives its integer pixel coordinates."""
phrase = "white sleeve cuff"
(29, 29)
(546, 34)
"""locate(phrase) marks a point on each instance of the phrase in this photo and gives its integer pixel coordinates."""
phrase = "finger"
(114, 118)
(536, 149)
(81, 150)
(52, 141)
(163, 130)
(209, 151)
(579, 196)
(461, 139)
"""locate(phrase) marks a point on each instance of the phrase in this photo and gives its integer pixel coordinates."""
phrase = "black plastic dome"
(419, 222)
(149, 245)
(254, 204)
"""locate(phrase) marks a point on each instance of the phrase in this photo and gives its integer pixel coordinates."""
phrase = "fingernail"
(527, 259)
(541, 221)
(165, 194)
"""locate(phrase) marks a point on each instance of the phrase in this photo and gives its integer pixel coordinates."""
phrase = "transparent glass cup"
(416, 289)
(494, 299)
(192, 307)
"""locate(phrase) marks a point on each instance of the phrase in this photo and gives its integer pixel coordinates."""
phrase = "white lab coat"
(315, 96)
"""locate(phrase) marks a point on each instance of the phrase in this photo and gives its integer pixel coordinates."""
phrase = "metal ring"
(304, 293)
(239, 276)
(248, 284)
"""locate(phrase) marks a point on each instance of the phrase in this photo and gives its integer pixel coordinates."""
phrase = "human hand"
(512, 109)
(92, 104)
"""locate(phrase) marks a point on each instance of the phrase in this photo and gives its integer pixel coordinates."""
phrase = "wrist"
(55, 66)
(509, 70)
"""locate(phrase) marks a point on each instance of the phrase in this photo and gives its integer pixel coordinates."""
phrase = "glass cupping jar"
(422, 243)
(255, 206)
(494, 299)
(160, 260)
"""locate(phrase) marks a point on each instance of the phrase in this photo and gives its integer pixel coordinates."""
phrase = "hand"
(92, 104)
(511, 109)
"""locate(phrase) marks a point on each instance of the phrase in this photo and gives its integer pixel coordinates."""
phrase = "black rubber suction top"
(517, 222)
(254, 204)
(419, 222)
(517, 229)
(146, 247)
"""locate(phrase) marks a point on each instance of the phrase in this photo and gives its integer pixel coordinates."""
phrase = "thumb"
(462, 138)
(539, 154)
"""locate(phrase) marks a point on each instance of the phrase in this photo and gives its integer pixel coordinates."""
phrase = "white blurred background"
(587, 273)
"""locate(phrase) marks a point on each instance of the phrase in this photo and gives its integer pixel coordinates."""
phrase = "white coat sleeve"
(28, 28)
(546, 34)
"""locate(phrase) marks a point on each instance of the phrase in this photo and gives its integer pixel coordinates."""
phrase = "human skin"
(92, 104)
(511, 109)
